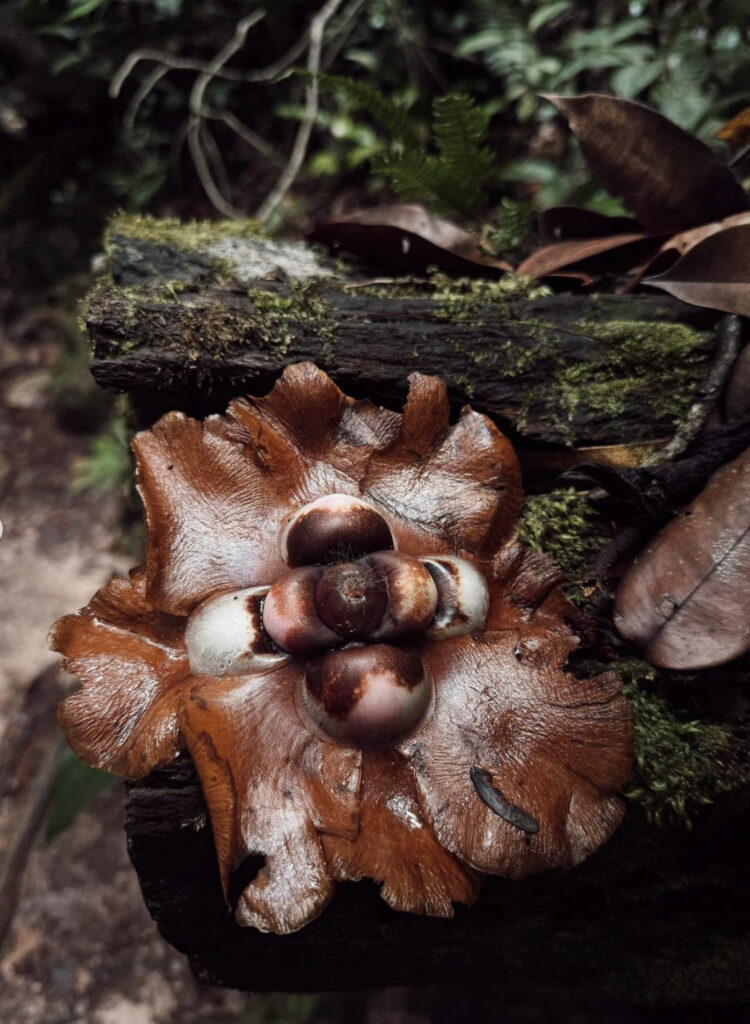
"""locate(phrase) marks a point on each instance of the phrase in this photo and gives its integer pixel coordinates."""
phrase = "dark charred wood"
(617, 927)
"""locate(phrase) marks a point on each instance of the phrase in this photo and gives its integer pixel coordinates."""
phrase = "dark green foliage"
(385, 112)
(73, 789)
(454, 178)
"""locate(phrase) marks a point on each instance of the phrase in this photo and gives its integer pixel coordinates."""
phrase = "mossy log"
(188, 317)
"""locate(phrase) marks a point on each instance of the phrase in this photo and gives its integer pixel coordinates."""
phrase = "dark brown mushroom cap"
(367, 695)
(218, 497)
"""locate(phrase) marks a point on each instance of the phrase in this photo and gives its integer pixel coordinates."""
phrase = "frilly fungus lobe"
(337, 623)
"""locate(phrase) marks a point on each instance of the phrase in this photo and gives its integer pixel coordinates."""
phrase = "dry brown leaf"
(406, 234)
(737, 131)
(579, 255)
(563, 222)
(714, 273)
(685, 599)
(541, 467)
(666, 177)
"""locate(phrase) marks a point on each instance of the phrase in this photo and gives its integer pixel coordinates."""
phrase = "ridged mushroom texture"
(336, 621)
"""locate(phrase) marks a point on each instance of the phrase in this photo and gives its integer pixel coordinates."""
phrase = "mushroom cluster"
(337, 623)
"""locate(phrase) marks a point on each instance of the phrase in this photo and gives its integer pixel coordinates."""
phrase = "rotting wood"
(191, 330)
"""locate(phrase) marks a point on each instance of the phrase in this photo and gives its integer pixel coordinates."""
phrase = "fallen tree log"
(189, 328)
(652, 918)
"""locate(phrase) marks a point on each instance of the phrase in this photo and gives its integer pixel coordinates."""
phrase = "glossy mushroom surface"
(336, 622)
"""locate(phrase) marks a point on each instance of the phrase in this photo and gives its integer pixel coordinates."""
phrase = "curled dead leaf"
(737, 131)
(714, 273)
(564, 222)
(407, 235)
(665, 176)
(586, 257)
(540, 468)
(685, 599)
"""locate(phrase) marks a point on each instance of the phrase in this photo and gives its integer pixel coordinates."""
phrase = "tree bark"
(175, 332)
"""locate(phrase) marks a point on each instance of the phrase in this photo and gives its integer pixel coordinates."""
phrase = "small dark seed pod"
(290, 617)
(335, 528)
(463, 597)
(350, 598)
(411, 595)
(225, 636)
(367, 695)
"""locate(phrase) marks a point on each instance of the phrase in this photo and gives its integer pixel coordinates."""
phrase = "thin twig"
(727, 347)
(151, 80)
(195, 121)
(246, 134)
(299, 149)
(343, 31)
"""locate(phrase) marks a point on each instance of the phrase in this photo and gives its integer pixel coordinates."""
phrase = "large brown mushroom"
(337, 623)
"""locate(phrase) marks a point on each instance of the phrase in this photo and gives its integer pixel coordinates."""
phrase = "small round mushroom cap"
(350, 598)
(366, 696)
(463, 598)
(225, 636)
(411, 595)
(331, 528)
(290, 617)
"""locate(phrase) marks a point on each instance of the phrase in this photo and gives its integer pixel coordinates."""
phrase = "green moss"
(681, 763)
(208, 328)
(280, 319)
(186, 235)
(564, 526)
(468, 298)
(649, 369)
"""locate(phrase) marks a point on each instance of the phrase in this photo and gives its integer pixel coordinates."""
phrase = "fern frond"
(460, 130)
(394, 119)
(417, 177)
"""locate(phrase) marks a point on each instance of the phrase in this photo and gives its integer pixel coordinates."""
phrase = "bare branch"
(312, 90)
(196, 122)
(152, 79)
(246, 134)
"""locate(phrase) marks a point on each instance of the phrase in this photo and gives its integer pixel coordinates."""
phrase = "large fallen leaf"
(560, 223)
(589, 256)
(714, 273)
(406, 234)
(666, 177)
(686, 598)
(677, 245)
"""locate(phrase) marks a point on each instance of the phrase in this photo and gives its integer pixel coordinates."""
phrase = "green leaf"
(417, 177)
(547, 13)
(388, 115)
(460, 129)
(74, 787)
(80, 10)
(630, 82)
